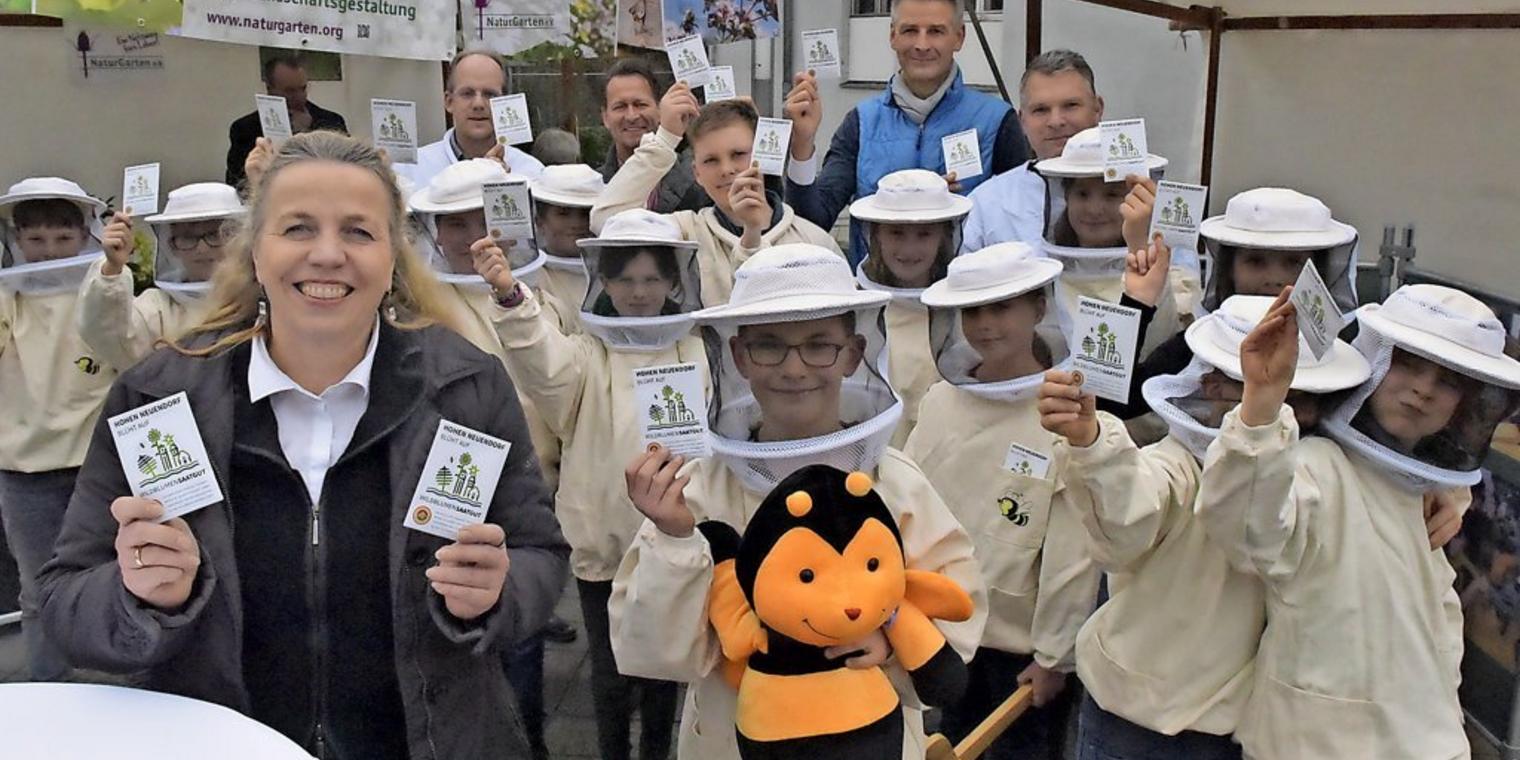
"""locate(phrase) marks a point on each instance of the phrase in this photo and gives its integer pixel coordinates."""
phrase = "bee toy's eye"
(872, 564)
(806, 576)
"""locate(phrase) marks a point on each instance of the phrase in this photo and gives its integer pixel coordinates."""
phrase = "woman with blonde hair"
(318, 381)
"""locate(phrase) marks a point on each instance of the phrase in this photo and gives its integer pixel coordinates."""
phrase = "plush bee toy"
(821, 564)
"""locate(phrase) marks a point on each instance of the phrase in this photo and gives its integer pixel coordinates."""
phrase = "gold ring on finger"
(137, 558)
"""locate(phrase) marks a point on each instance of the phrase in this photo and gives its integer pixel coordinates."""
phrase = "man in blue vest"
(925, 101)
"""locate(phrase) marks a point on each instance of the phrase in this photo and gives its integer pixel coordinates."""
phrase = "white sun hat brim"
(868, 209)
(1216, 229)
(557, 198)
(92, 206)
(630, 242)
(792, 308)
(1036, 274)
(196, 216)
(1341, 367)
(1499, 370)
(1064, 167)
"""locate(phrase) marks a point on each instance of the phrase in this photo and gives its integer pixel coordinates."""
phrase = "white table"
(60, 721)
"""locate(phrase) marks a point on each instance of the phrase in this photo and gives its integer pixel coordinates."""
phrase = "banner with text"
(415, 29)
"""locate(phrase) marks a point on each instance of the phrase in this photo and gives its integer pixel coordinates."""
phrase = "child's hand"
(472, 571)
(498, 153)
(805, 109)
(158, 561)
(678, 108)
(746, 196)
(1066, 411)
(953, 183)
(870, 652)
(1048, 684)
(491, 264)
(657, 493)
(258, 161)
(1146, 270)
(1268, 358)
(1137, 209)
(119, 244)
(1443, 517)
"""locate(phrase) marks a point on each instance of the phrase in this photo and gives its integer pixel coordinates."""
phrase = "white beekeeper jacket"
(54, 384)
(1041, 584)
(719, 251)
(659, 597)
(584, 392)
(1363, 645)
(1173, 648)
(123, 328)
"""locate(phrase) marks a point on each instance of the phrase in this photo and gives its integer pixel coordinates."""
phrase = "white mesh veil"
(17, 275)
(776, 290)
(667, 277)
(1429, 345)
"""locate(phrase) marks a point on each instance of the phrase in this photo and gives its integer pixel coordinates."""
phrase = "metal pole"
(1033, 20)
(981, 36)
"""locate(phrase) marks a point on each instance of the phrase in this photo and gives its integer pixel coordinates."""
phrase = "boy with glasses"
(797, 360)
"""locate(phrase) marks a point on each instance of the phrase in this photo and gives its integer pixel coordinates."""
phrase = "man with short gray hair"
(925, 101)
(1057, 99)
(475, 76)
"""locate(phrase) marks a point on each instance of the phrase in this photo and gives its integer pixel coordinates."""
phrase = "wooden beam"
(1211, 97)
(1194, 16)
(27, 19)
(1034, 20)
(1461, 21)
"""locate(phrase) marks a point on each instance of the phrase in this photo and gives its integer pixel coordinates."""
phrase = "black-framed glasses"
(182, 242)
(814, 353)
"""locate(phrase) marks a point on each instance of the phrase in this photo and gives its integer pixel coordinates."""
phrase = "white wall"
(1142, 69)
(55, 122)
(1387, 127)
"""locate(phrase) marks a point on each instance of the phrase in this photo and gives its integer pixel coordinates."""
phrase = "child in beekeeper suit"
(190, 234)
(1259, 245)
(912, 227)
(992, 333)
(1363, 643)
(796, 357)
(1093, 223)
(1168, 660)
(637, 315)
(54, 384)
(744, 217)
(562, 199)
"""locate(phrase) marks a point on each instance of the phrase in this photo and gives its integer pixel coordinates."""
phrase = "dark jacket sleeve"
(85, 606)
(540, 558)
(1012, 148)
(325, 119)
(241, 137)
(834, 188)
(1169, 358)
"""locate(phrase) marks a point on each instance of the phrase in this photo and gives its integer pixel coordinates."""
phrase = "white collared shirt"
(314, 430)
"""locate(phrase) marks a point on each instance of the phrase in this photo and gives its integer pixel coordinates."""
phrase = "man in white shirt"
(1057, 99)
(475, 76)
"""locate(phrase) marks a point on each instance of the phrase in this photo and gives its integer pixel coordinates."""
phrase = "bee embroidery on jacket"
(1008, 506)
(87, 365)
